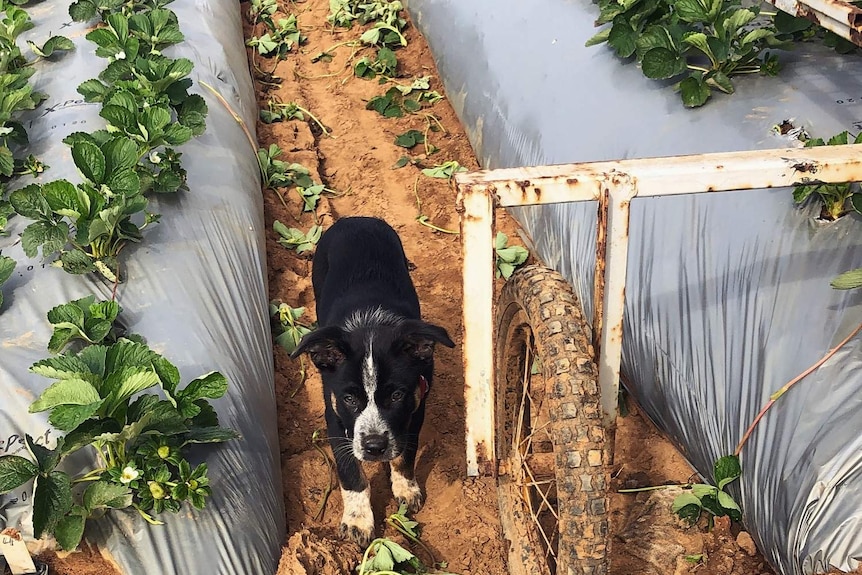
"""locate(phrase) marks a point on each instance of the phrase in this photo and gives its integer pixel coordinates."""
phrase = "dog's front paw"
(357, 522)
(407, 492)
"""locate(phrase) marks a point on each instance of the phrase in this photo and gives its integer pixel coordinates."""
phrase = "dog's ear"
(326, 347)
(417, 338)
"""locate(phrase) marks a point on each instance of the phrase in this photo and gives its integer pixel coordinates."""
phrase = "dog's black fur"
(376, 359)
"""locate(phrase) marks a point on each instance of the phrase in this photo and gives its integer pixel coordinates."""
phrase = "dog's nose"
(375, 445)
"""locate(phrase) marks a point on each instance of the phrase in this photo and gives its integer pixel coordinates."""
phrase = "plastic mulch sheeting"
(195, 289)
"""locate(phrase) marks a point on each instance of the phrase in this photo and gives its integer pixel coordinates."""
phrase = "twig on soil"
(351, 43)
(323, 129)
(775, 396)
(430, 120)
(284, 203)
(422, 218)
(303, 374)
(315, 438)
(650, 488)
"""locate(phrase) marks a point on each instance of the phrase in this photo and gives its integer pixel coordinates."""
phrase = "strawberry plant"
(7, 266)
(310, 196)
(278, 111)
(85, 10)
(385, 556)
(702, 43)
(508, 257)
(16, 93)
(384, 35)
(344, 13)
(445, 170)
(83, 319)
(296, 239)
(278, 173)
(140, 439)
(261, 8)
(98, 397)
(156, 29)
(711, 498)
(401, 99)
(385, 65)
(147, 107)
(280, 38)
(409, 139)
(288, 329)
(836, 199)
(89, 224)
(393, 104)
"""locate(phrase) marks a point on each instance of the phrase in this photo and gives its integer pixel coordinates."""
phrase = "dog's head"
(375, 377)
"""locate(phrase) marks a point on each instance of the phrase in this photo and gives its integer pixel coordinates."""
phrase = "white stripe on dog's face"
(369, 370)
(369, 421)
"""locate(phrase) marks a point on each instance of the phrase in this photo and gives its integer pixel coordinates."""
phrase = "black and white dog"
(376, 359)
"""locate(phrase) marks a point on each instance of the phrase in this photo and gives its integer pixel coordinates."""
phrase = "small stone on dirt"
(746, 543)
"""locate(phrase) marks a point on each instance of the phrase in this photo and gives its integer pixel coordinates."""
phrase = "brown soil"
(459, 522)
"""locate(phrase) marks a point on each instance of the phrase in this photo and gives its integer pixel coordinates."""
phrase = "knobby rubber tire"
(538, 309)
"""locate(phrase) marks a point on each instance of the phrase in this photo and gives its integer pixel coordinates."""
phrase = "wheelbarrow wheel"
(552, 447)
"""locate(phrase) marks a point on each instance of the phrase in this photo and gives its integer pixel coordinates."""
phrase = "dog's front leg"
(405, 488)
(357, 521)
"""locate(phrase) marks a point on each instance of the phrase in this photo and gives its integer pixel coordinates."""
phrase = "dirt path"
(459, 519)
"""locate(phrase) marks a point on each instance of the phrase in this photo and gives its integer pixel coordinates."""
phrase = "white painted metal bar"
(477, 234)
(672, 175)
(480, 192)
(621, 190)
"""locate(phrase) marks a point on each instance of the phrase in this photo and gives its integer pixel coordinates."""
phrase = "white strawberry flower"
(129, 474)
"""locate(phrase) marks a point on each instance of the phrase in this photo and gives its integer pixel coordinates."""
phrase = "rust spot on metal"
(805, 167)
(601, 264)
(495, 197)
(808, 182)
(487, 467)
(537, 191)
(617, 332)
(806, 12)
(523, 184)
(719, 167)
(572, 181)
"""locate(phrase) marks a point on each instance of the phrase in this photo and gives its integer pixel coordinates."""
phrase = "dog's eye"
(397, 395)
(349, 400)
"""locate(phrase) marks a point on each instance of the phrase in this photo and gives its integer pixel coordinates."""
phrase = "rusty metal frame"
(615, 184)
(837, 16)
